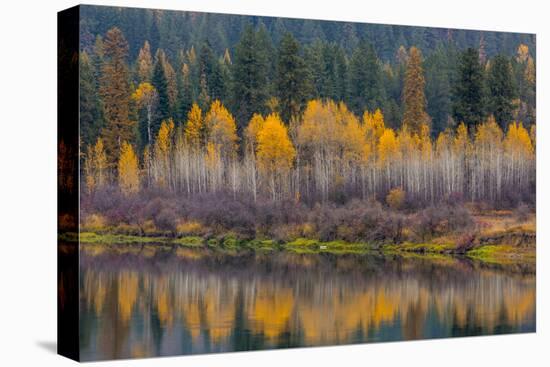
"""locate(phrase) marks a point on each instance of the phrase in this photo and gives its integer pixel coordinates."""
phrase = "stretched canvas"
(236, 183)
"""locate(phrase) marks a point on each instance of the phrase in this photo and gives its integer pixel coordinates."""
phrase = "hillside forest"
(187, 117)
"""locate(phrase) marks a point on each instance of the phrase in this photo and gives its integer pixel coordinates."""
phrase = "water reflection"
(141, 302)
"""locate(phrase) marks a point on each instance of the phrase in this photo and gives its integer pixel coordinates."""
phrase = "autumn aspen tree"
(128, 170)
(194, 127)
(251, 143)
(146, 96)
(162, 153)
(222, 136)
(275, 153)
(95, 166)
(388, 151)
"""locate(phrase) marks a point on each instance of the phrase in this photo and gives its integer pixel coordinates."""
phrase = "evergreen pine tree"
(365, 80)
(161, 85)
(293, 79)
(90, 113)
(249, 77)
(438, 90)
(210, 68)
(340, 75)
(185, 92)
(501, 88)
(469, 93)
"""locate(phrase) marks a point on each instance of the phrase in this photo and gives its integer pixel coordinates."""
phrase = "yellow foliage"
(488, 135)
(100, 158)
(425, 142)
(462, 140)
(164, 138)
(89, 171)
(164, 306)
(221, 129)
(143, 93)
(396, 198)
(194, 127)
(314, 120)
(128, 171)
(212, 155)
(95, 166)
(407, 142)
(353, 138)
(333, 131)
(523, 53)
(94, 222)
(374, 124)
(388, 148)
(443, 142)
(517, 141)
(128, 285)
(275, 150)
(251, 134)
(190, 227)
(271, 313)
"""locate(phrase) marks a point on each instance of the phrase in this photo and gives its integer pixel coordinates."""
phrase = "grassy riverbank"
(516, 245)
(486, 235)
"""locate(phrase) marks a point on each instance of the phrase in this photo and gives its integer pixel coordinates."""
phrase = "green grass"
(305, 245)
(116, 239)
(263, 245)
(503, 254)
(231, 244)
(189, 241)
(109, 238)
(429, 248)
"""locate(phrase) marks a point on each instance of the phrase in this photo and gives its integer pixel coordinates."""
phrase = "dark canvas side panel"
(67, 182)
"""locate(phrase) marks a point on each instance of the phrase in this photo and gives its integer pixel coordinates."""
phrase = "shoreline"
(508, 247)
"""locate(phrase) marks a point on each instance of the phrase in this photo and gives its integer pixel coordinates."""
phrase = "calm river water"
(145, 302)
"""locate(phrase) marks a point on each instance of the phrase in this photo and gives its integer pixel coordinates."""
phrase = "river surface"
(146, 302)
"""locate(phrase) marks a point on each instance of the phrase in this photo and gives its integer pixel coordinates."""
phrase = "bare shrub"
(438, 220)
(465, 242)
(522, 212)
